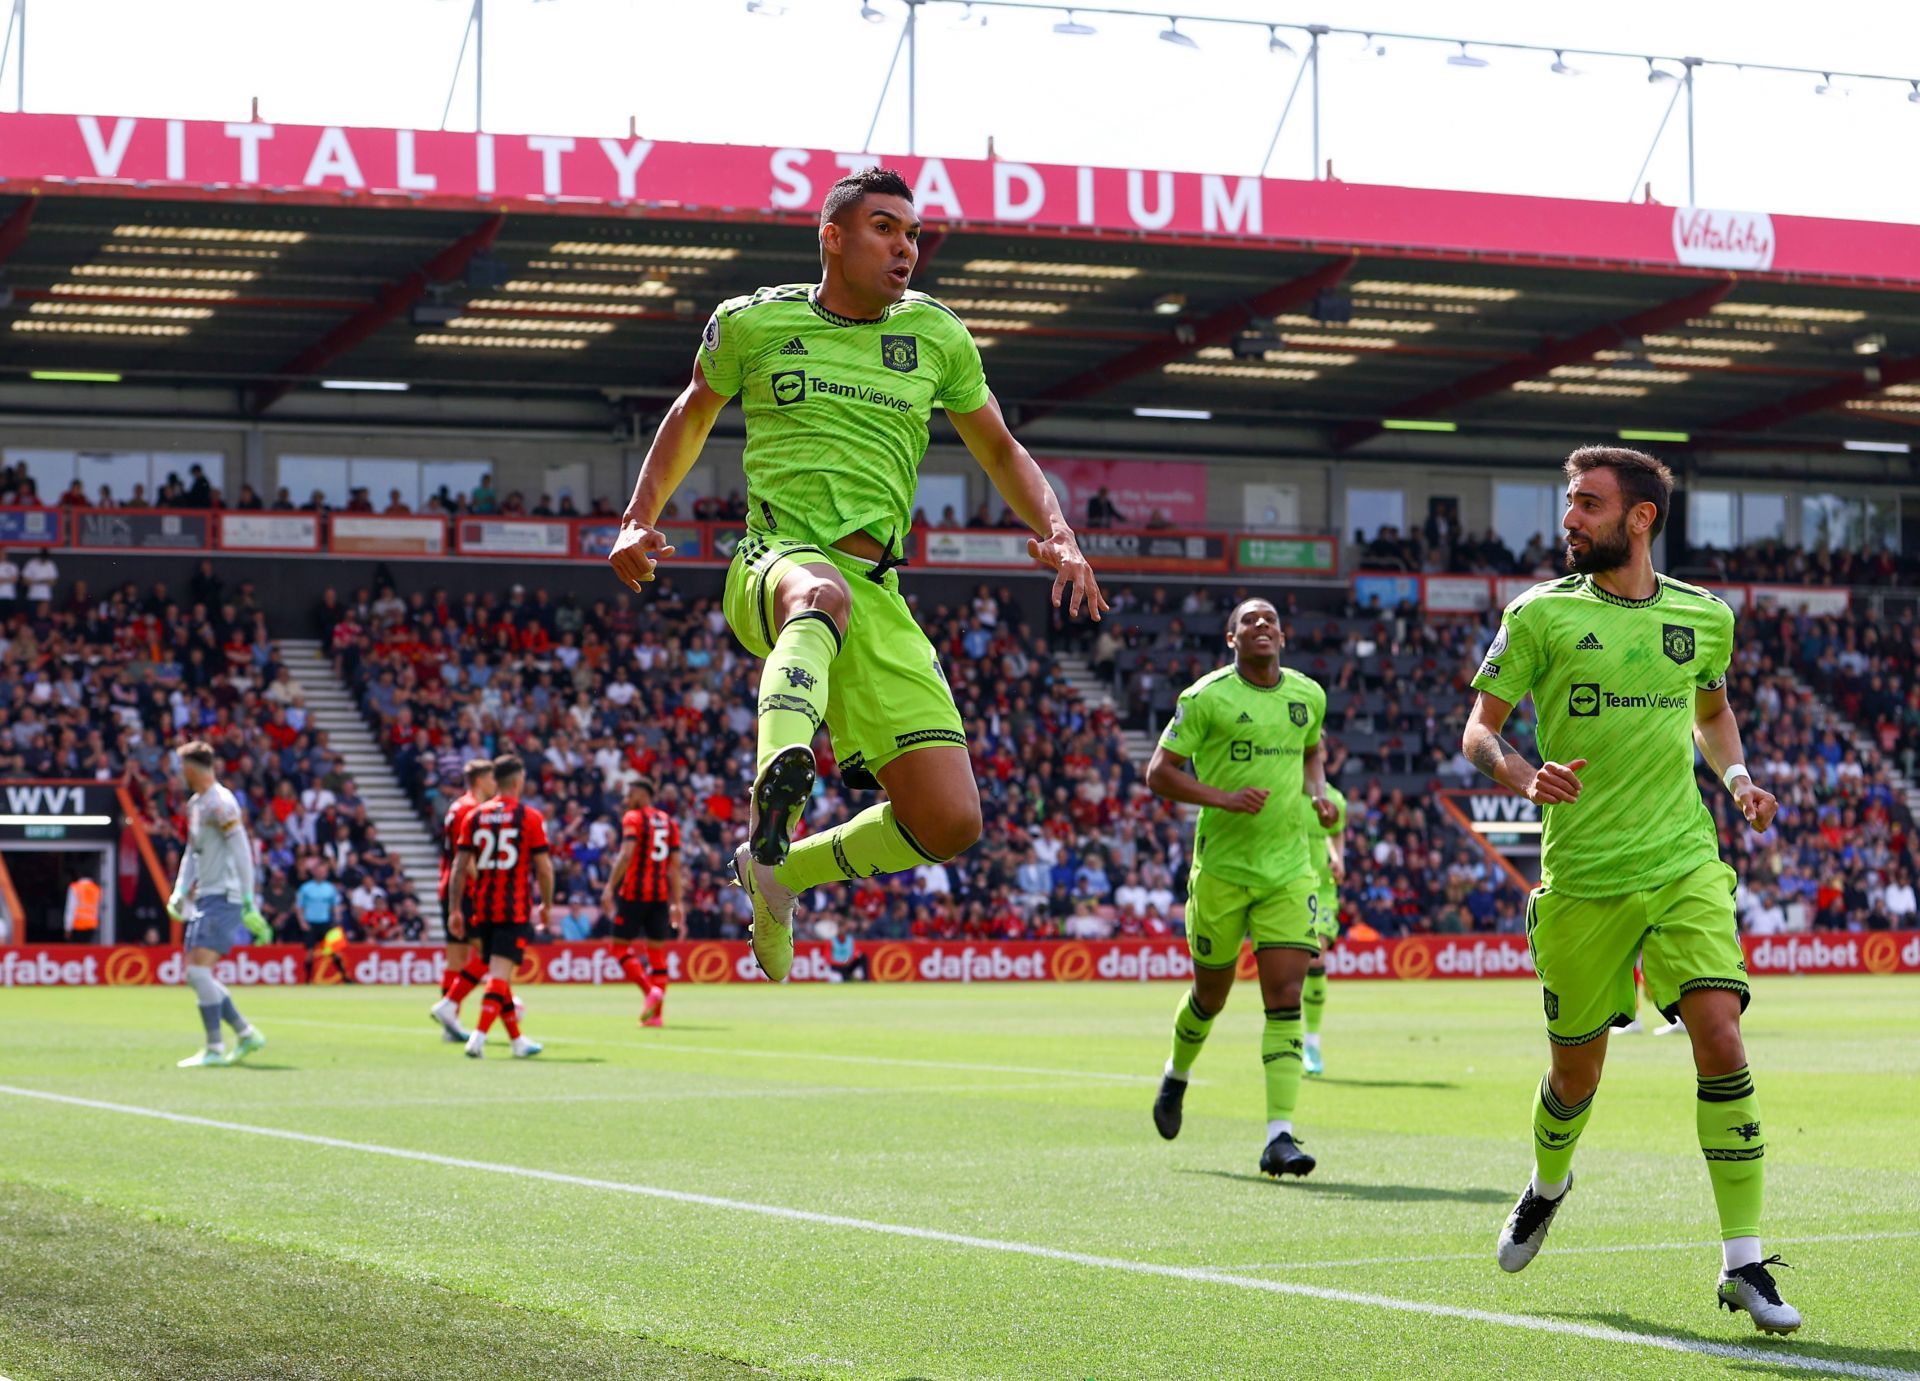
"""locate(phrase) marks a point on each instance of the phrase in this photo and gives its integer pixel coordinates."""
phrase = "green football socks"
(1556, 1131)
(1191, 1026)
(1313, 1001)
(1728, 1116)
(870, 844)
(793, 685)
(1281, 1043)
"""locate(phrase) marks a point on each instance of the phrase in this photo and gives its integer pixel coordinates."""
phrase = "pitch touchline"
(663, 1048)
(1557, 1251)
(1596, 1332)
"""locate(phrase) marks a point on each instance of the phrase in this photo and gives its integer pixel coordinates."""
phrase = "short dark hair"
(1233, 614)
(1642, 478)
(642, 784)
(477, 768)
(508, 768)
(198, 752)
(849, 190)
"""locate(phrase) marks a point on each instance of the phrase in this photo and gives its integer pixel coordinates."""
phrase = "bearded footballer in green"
(1628, 673)
(838, 380)
(1244, 746)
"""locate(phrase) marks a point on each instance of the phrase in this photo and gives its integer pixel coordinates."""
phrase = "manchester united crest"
(900, 353)
(1297, 713)
(1676, 640)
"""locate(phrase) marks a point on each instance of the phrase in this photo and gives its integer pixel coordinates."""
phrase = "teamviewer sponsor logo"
(1583, 700)
(790, 386)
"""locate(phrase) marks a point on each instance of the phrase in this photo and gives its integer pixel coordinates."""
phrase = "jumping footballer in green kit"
(1327, 853)
(838, 381)
(1628, 672)
(1251, 732)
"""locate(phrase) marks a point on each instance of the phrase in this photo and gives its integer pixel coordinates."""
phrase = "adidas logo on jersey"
(796, 346)
(1245, 718)
(1588, 644)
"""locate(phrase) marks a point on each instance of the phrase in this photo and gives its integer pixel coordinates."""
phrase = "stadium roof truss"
(248, 297)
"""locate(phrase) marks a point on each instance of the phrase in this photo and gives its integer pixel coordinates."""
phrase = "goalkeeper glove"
(255, 923)
(177, 907)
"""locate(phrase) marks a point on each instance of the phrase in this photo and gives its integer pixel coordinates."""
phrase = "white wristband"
(1739, 769)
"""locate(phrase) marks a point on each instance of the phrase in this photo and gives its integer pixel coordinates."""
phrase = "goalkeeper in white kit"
(213, 898)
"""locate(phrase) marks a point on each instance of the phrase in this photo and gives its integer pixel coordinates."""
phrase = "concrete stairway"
(1827, 716)
(1094, 693)
(331, 707)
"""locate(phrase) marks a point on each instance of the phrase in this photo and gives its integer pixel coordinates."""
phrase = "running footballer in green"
(1628, 673)
(1244, 746)
(838, 380)
(1327, 853)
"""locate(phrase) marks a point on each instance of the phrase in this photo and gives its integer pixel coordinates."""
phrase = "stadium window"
(1369, 510)
(381, 477)
(938, 493)
(1763, 517)
(1522, 512)
(302, 476)
(1710, 519)
(457, 477)
(52, 471)
(1836, 522)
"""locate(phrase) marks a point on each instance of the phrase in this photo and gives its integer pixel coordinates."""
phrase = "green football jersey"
(836, 408)
(1318, 834)
(1613, 681)
(1237, 735)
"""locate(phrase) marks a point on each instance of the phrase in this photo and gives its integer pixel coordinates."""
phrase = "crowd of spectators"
(594, 694)
(1776, 563)
(104, 686)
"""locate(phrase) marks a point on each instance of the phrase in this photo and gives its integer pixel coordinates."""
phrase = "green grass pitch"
(907, 1181)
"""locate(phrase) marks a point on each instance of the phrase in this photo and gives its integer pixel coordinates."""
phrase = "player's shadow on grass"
(569, 1060)
(1386, 1083)
(260, 1067)
(1791, 1349)
(1385, 1193)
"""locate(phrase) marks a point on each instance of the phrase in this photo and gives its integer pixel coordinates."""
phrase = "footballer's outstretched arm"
(676, 446)
(1168, 777)
(1020, 483)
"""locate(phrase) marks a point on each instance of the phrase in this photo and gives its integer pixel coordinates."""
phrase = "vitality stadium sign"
(1414, 959)
(97, 155)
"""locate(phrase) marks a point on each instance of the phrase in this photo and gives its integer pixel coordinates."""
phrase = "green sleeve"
(1319, 715)
(1711, 674)
(1187, 730)
(721, 350)
(1512, 664)
(963, 379)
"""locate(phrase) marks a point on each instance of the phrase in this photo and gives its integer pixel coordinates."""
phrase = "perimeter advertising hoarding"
(594, 541)
(538, 538)
(269, 532)
(59, 810)
(363, 536)
(1285, 555)
(1199, 552)
(29, 527)
(1012, 961)
(1008, 549)
(142, 529)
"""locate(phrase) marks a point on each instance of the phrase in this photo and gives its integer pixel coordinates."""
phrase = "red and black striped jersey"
(656, 837)
(503, 836)
(450, 834)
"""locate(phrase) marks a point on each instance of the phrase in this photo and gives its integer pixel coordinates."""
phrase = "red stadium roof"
(259, 258)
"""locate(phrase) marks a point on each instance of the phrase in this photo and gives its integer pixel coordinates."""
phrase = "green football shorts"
(1325, 909)
(1222, 914)
(887, 694)
(1683, 933)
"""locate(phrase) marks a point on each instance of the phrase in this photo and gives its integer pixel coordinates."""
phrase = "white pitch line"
(676, 1048)
(1733, 1352)
(1557, 1251)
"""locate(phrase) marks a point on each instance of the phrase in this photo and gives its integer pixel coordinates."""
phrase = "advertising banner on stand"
(269, 532)
(1176, 490)
(1409, 959)
(546, 538)
(30, 527)
(1286, 555)
(361, 536)
(141, 529)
